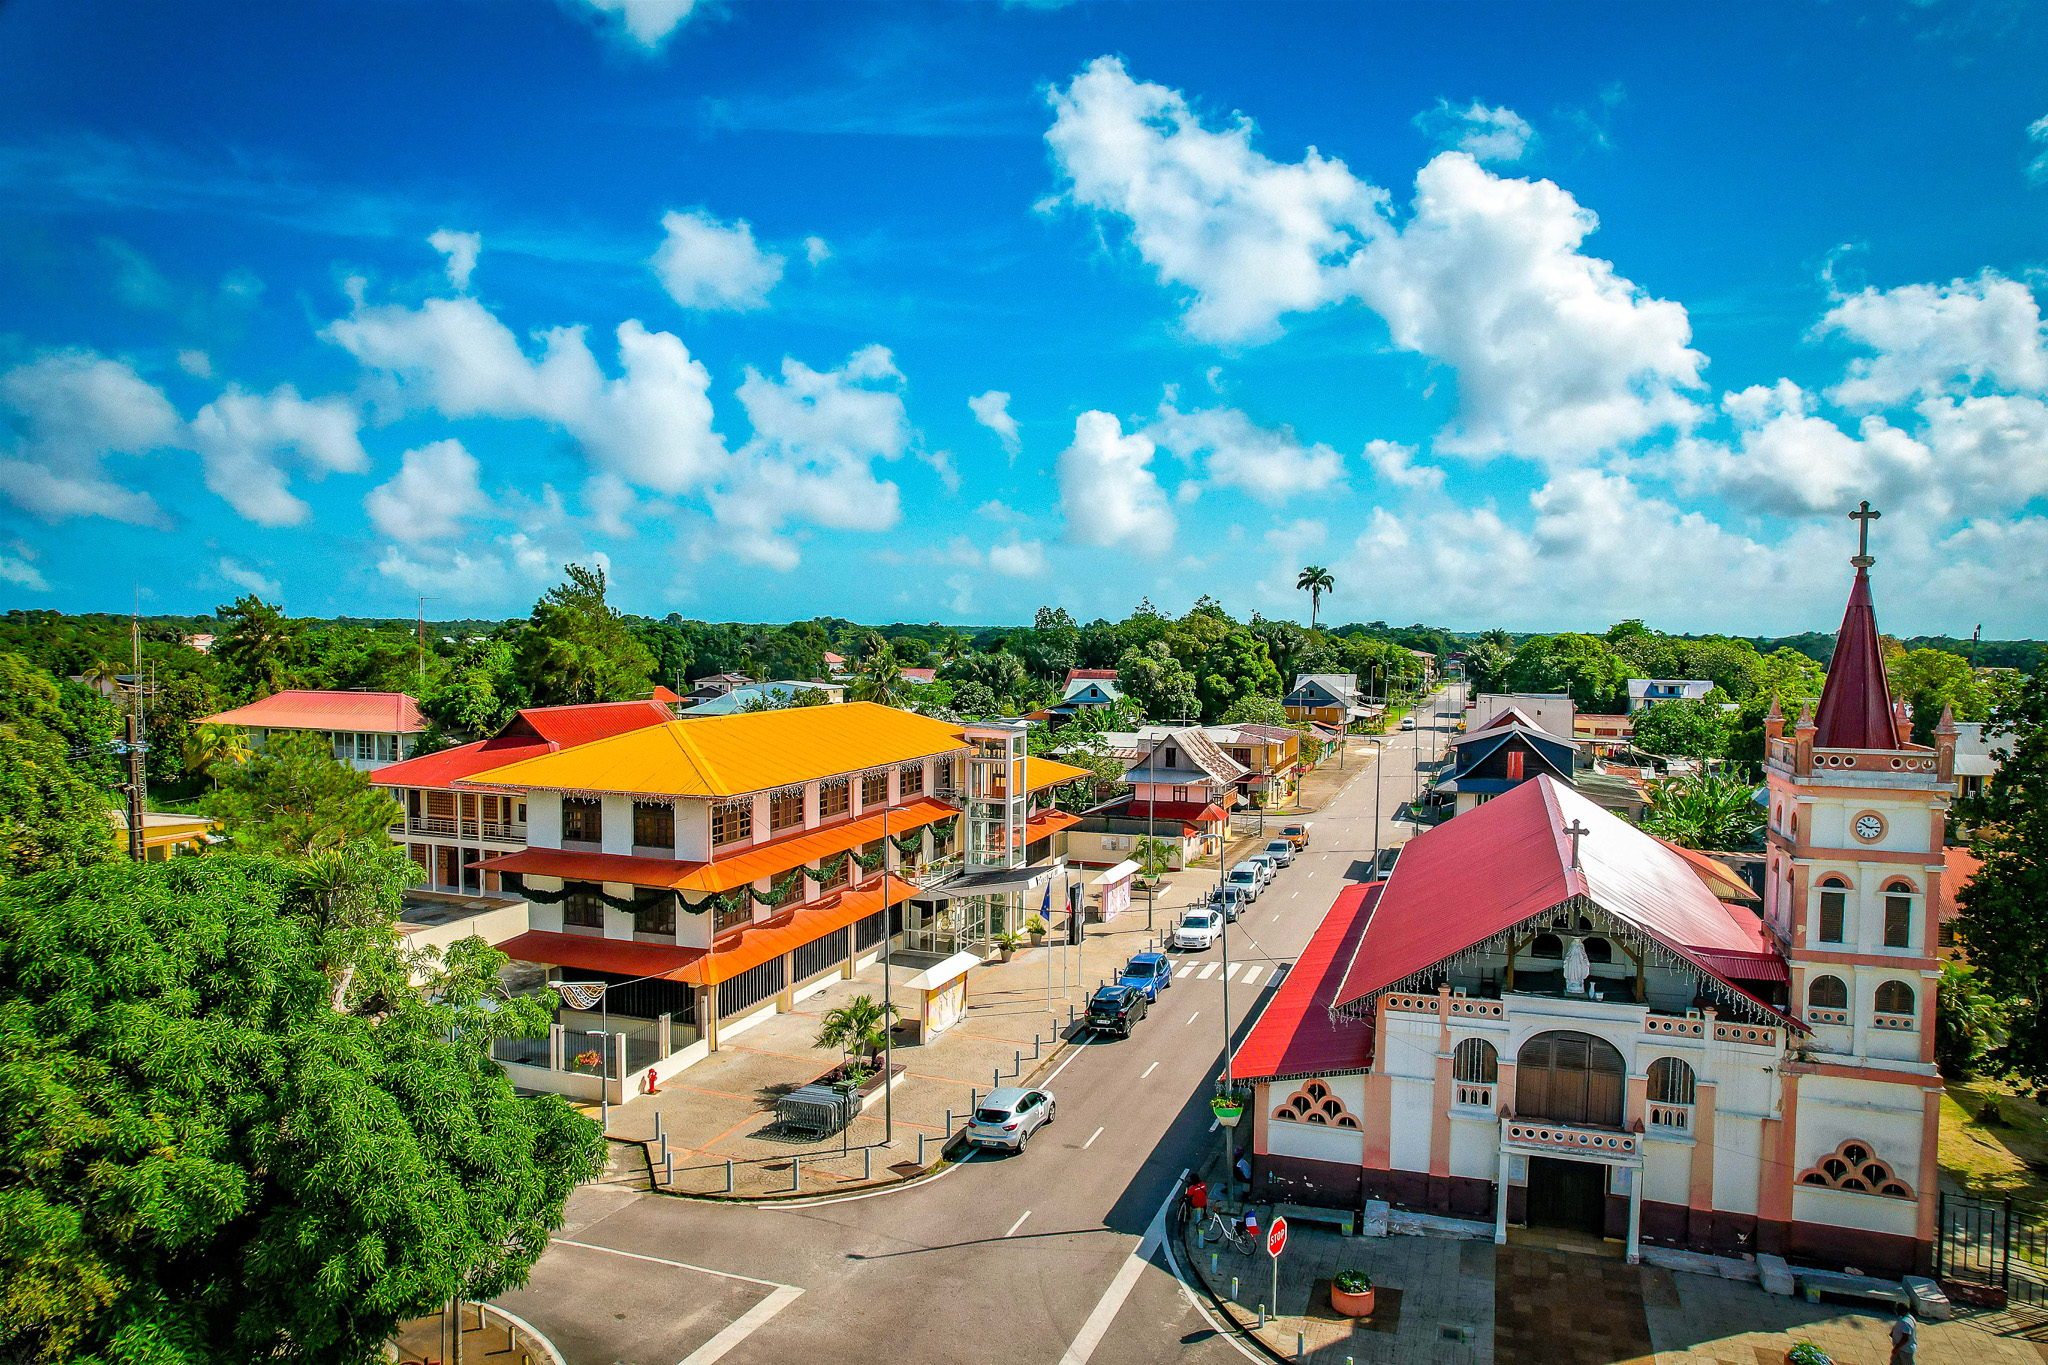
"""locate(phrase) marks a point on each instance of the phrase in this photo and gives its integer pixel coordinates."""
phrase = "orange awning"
(751, 947)
(735, 869)
(1050, 823)
(619, 956)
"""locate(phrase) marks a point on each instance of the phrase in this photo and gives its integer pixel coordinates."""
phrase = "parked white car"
(1245, 877)
(1008, 1116)
(1269, 863)
(1198, 929)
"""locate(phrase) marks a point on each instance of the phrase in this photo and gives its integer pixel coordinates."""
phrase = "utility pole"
(136, 777)
(420, 635)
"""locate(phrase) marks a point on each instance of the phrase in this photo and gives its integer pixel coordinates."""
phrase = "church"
(1547, 1017)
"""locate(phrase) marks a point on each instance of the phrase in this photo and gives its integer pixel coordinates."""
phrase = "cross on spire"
(1577, 831)
(1863, 516)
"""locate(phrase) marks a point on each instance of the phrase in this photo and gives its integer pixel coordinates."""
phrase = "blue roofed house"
(758, 695)
(1086, 688)
(1647, 692)
(1329, 700)
(1511, 748)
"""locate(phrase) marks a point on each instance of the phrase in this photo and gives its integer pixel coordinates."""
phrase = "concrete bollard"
(867, 1163)
(1262, 1314)
(1233, 1289)
(668, 1168)
(796, 1175)
(949, 1123)
(999, 1079)
(1300, 1344)
(1017, 1067)
(657, 1130)
(920, 1149)
(728, 1175)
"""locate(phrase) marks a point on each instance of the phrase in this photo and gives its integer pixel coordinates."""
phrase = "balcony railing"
(1475, 1094)
(1671, 1117)
(1570, 1138)
(447, 827)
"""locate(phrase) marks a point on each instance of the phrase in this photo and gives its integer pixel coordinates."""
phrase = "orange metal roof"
(622, 957)
(1040, 773)
(1052, 822)
(751, 947)
(748, 752)
(735, 869)
(390, 713)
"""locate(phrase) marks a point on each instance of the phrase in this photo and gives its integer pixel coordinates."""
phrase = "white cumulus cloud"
(1488, 134)
(992, 410)
(817, 250)
(1018, 558)
(70, 410)
(1270, 463)
(18, 567)
(714, 266)
(249, 443)
(461, 249)
(1394, 464)
(435, 490)
(1934, 339)
(1108, 491)
(647, 24)
(247, 578)
(2037, 133)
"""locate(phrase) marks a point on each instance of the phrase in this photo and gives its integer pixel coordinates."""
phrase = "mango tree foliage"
(56, 772)
(203, 1159)
(295, 798)
(2004, 910)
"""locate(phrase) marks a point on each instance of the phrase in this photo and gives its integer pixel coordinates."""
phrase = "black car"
(1114, 1009)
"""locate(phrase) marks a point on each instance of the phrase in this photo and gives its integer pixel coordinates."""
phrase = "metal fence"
(1992, 1252)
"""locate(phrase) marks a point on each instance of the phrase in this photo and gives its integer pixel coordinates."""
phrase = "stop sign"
(1276, 1238)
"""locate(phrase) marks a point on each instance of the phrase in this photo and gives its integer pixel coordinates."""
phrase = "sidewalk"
(1017, 1027)
(1449, 1302)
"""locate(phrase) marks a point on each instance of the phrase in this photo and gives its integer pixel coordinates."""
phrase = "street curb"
(1241, 1323)
(796, 1198)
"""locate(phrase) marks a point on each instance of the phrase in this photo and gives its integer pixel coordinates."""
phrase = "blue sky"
(1540, 316)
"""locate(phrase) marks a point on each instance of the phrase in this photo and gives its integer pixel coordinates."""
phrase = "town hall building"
(1547, 1016)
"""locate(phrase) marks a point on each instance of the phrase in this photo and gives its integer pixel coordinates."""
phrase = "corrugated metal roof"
(534, 731)
(1498, 864)
(1295, 1034)
(620, 957)
(732, 755)
(383, 713)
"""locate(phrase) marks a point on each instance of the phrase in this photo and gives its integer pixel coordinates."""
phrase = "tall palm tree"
(880, 680)
(210, 746)
(1315, 580)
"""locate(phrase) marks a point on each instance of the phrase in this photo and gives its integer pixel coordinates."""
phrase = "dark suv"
(1114, 1009)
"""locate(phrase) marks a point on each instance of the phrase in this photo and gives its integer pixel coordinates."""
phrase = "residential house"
(368, 730)
(835, 665)
(448, 831)
(1086, 688)
(1270, 756)
(1975, 764)
(1603, 735)
(717, 685)
(1512, 748)
(737, 699)
(1329, 700)
(923, 677)
(1647, 692)
(1547, 1017)
(166, 834)
(1183, 786)
(1553, 712)
(711, 872)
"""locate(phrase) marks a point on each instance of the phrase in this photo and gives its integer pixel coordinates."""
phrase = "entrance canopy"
(1120, 873)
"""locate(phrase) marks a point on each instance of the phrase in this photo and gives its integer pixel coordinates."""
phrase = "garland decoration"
(831, 870)
(779, 889)
(909, 845)
(870, 862)
(724, 902)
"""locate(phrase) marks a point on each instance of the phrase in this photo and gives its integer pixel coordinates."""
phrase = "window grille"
(910, 780)
(834, 797)
(732, 821)
(1834, 906)
(819, 955)
(750, 988)
(1671, 1081)
(1827, 993)
(583, 819)
(1898, 921)
(1475, 1066)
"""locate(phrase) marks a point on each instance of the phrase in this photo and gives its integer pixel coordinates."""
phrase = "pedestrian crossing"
(1253, 972)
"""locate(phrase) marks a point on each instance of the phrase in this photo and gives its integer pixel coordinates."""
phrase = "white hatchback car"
(1008, 1116)
(1197, 929)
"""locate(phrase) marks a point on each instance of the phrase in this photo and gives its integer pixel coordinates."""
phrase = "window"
(1547, 945)
(1242, 757)
(1172, 757)
(874, 789)
(835, 797)
(1476, 1062)
(1180, 793)
(654, 824)
(582, 909)
(1894, 997)
(1834, 904)
(1671, 1081)
(1898, 915)
(732, 916)
(732, 821)
(1827, 993)
(654, 912)
(827, 881)
(387, 748)
(366, 747)
(910, 780)
(582, 819)
(786, 809)
(1946, 934)
(1570, 1078)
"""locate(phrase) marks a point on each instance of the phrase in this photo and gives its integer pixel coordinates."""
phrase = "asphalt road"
(1035, 1257)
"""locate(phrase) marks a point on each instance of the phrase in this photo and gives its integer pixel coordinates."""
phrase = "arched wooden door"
(1570, 1077)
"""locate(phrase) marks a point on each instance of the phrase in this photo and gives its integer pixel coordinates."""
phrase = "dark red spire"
(1856, 703)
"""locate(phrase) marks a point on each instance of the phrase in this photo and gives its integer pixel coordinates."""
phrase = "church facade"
(1547, 1016)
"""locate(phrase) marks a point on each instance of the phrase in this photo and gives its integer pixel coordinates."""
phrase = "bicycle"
(1229, 1231)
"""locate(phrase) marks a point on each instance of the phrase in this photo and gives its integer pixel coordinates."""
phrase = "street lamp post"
(1379, 783)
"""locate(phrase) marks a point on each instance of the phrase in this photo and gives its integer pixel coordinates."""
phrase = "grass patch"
(2005, 1160)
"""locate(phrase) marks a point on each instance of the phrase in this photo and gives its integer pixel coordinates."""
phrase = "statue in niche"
(1577, 967)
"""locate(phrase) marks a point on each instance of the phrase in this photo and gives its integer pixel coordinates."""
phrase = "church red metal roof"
(1503, 862)
(1295, 1034)
(1856, 701)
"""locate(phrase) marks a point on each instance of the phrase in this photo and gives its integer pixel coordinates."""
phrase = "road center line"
(1149, 1070)
(744, 1326)
(1196, 1015)
(1091, 1139)
(1093, 1330)
(1022, 1216)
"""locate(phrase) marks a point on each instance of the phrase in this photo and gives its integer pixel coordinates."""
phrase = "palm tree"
(212, 745)
(1706, 810)
(1155, 857)
(860, 1025)
(880, 680)
(1315, 580)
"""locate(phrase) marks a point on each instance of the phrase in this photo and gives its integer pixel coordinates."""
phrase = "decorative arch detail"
(1314, 1103)
(1855, 1168)
(1899, 886)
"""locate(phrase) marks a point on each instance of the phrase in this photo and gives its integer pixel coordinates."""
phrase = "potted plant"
(1806, 1353)
(1229, 1106)
(1351, 1293)
(1009, 941)
(1036, 928)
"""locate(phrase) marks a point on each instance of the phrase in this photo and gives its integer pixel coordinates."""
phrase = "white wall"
(616, 823)
(543, 819)
(1314, 1141)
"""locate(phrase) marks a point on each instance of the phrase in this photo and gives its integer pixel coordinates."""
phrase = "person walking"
(1905, 1337)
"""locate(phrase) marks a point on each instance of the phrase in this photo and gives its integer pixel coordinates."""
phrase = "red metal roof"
(1295, 1035)
(384, 713)
(1187, 812)
(1098, 674)
(1856, 701)
(923, 677)
(534, 731)
(1500, 863)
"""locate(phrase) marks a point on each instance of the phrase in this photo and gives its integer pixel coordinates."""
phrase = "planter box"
(1351, 1305)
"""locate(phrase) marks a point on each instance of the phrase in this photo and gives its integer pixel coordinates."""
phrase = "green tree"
(1582, 665)
(861, 1026)
(576, 648)
(1236, 668)
(2003, 919)
(1709, 809)
(1155, 857)
(785, 699)
(1001, 674)
(476, 694)
(211, 748)
(880, 680)
(172, 717)
(1683, 728)
(1314, 580)
(1158, 684)
(1967, 1022)
(203, 1159)
(260, 650)
(1929, 679)
(973, 701)
(55, 774)
(295, 798)
(1256, 710)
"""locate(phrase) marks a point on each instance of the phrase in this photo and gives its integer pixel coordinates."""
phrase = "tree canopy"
(203, 1159)
(56, 772)
(1683, 728)
(295, 798)
(577, 648)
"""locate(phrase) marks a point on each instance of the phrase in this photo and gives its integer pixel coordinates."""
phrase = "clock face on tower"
(1869, 827)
